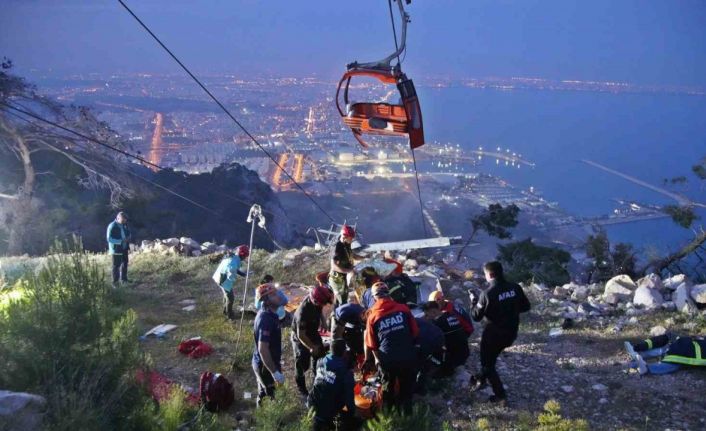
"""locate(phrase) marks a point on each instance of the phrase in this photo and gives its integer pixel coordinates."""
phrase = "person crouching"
(390, 335)
(332, 389)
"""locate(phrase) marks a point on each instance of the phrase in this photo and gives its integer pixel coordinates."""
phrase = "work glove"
(279, 377)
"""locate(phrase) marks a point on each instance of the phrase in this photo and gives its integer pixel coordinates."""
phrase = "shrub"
(393, 420)
(63, 338)
(285, 412)
(551, 420)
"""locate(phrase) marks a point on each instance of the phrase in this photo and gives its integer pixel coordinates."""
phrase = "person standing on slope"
(226, 273)
(119, 237)
(501, 306)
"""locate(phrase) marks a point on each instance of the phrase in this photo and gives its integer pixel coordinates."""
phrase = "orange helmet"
(322, 278)
(264, 290)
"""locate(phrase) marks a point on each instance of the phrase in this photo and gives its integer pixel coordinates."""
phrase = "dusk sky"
(640, 41)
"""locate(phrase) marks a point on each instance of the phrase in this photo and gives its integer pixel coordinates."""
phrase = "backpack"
(216, 391)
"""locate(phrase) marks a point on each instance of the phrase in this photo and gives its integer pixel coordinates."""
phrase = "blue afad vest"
(229, 268)
(687, 351)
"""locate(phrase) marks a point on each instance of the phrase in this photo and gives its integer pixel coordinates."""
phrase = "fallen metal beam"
(411, 244)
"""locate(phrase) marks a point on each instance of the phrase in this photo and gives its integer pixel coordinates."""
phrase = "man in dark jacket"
(119, 237)
(267, 335)
(332, 389)
(455, 337)
(306, 341)
(349, 324)
(501, 306)
(431, 350)
(391, 335)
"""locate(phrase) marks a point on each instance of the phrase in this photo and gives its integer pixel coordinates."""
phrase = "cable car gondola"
(404, 119)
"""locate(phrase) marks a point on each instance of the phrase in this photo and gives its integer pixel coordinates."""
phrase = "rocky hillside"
(570, 346)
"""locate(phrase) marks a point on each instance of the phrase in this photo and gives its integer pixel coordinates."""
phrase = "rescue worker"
(119, 237)
(332, 389)
(501, 305)
(391, 333)
(307, 344)
(455, 338)
(226, 273)
(431, 350)
(342, 261)
(267, 354)
(369, 277)
(673, 354)
(454, 309)
(348, 325)
(402, 289)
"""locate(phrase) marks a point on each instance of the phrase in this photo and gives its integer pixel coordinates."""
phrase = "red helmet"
(264, 290)
(321, 295)
(348, 231)
(242, 251)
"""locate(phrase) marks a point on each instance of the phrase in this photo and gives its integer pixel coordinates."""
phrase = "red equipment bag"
(216, 392)
(195, 348)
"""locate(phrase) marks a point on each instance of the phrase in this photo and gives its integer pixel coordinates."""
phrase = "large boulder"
(698, 293)
(580, 293)
(682, 300)
(208, 247)
(21, 411)
(171, 242)
(651, 281)
(673, 282)
(647, 297)
(189, 242)
(619, 288)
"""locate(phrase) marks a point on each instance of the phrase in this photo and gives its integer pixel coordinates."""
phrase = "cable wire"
(414, 158)
(168, 190)
(394, 31)
(123, 152)
(79, 134)
(223, 108)
(419, 194)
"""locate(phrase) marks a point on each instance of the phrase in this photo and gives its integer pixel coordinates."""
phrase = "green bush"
(550, 420)
(393, 420)
(285, 412)
(61, 336)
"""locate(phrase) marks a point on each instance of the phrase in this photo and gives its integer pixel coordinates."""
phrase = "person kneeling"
(332, 389)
